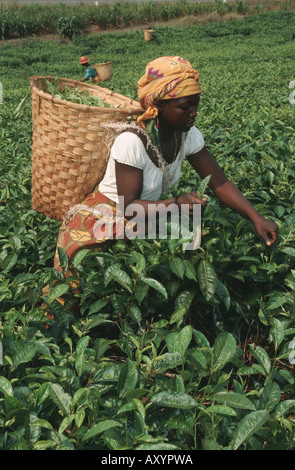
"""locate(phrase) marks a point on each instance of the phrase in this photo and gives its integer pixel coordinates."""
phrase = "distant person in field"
(90, 73)
(145, 161)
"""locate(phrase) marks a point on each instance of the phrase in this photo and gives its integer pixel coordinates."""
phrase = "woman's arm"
(129, 185)
(231, 196)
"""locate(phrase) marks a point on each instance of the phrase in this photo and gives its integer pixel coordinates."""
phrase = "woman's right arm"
(129, 186)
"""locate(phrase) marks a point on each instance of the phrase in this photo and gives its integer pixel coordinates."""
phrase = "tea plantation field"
(172, 350)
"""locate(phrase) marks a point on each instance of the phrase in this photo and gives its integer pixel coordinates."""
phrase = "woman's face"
(179, 113)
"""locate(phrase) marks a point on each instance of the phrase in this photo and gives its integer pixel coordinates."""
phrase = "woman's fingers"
(268, 230)
(191, 199)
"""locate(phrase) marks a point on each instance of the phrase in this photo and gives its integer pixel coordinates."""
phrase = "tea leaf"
(97, 305)
(190, 271)
(78, 258)
(182, 339)
(120, 276)
(277, 332)
(60, 398)
(270, 397)
(249, 425)
(159, 446)
(262, 357)
(99, 428)
(134, 313)
(224, 350)
(128, 378)
(284, 407)
(169, 361)
(202, 186)
(178, 315)
(5, 386)
(223, 294)
(57, 292)
(221, 409)
(177, 266)
(289, 251)
(42, 445)
(156, 285)
(234, 400)
(25, 354)
(80, 359)
(207, 279)
(181, 401)
(63, 259)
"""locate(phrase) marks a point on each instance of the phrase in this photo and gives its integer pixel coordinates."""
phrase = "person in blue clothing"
(91, 73)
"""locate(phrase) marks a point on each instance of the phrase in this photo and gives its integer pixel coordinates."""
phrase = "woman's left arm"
(204, 163)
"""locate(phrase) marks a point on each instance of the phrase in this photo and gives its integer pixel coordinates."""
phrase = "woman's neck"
(166, 132)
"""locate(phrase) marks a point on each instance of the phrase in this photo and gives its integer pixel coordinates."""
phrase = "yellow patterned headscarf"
(165, 78)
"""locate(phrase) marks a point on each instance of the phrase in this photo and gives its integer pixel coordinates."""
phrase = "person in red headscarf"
(90, 73)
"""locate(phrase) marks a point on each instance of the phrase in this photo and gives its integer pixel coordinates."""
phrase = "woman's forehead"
(188, 99)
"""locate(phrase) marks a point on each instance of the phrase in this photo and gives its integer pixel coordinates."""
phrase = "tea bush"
(69, 20)
(171, 349)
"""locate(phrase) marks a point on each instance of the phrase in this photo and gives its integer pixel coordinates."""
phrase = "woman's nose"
(193, 111)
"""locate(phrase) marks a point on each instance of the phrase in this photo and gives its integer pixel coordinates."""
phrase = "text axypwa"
(154, 459)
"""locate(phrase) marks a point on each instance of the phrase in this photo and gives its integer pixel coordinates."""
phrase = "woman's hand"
(231, 196)
(266, 229)
(191, 199)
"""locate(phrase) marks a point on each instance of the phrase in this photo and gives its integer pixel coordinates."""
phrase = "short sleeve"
(129, 149)
(194, 142)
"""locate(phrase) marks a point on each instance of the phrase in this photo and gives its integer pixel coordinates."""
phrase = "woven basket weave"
(104, 70)
(70, 147)
(148, 34)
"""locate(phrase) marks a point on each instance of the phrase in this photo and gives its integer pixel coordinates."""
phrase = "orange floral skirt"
(91, 224)
(88, 225)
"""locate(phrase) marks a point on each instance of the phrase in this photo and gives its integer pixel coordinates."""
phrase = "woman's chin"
(187, 127)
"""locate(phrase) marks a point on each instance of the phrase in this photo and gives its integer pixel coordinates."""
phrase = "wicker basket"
(70, 147)
(148, 34)
(104, 70)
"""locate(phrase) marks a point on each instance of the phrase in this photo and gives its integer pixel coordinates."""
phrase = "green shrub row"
(67, 20)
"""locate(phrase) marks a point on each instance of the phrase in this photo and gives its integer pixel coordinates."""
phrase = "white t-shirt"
(130, 150)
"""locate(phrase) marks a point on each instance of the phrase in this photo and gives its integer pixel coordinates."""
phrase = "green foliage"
(70, 20)
(170, 349)
(74, 95)
(69, 26)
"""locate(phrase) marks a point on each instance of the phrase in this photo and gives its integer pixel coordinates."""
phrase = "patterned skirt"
(89, 225)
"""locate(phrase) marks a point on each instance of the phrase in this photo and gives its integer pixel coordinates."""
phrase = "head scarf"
(165, 78)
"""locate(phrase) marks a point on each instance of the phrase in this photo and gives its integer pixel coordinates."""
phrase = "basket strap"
(151, 153)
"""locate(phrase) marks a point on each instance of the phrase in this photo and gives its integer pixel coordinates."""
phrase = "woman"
(145, 161)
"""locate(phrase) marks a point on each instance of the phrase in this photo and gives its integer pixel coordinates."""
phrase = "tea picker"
(145, 160)
(90, 73)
